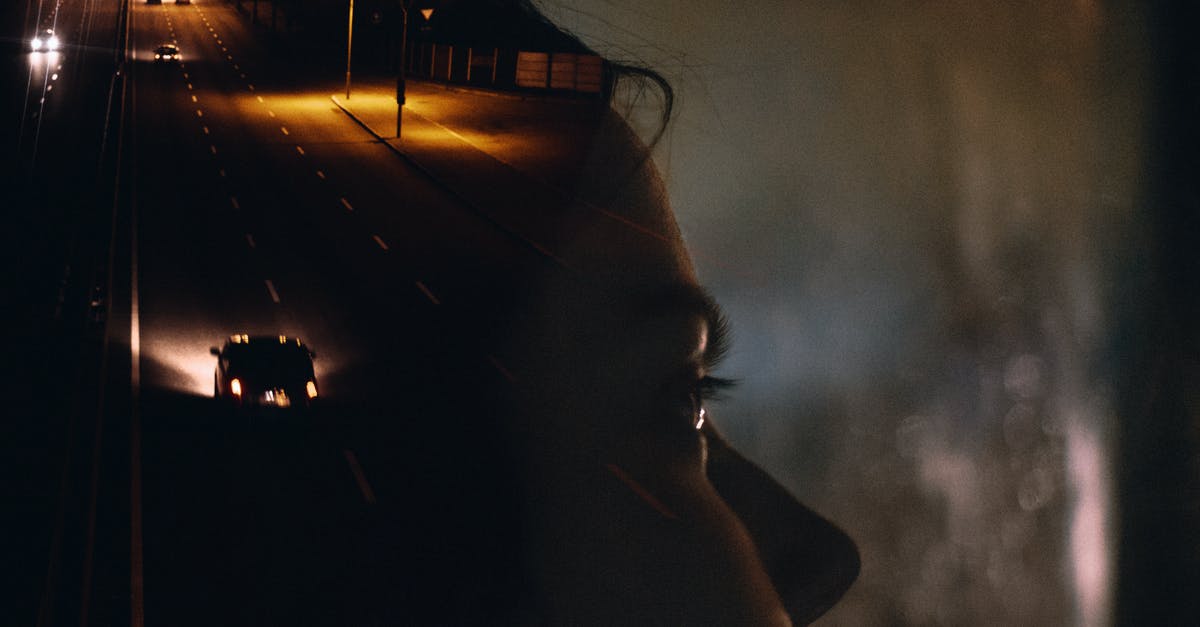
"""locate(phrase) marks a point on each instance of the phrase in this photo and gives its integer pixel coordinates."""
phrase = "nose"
(810, 561)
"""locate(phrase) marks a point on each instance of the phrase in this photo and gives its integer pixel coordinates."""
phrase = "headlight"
(36, 44)
(52, 43)
(311, 388)
(235, 386)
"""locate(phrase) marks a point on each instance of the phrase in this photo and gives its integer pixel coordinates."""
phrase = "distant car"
(166, 52)
(97, 307)
(265, 371)
(45, 41)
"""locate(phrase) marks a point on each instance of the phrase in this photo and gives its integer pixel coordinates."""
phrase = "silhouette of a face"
(638, 511)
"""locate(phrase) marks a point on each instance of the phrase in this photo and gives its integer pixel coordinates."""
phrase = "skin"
(632, 514)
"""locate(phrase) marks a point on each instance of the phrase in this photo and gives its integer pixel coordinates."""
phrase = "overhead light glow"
(235, 386)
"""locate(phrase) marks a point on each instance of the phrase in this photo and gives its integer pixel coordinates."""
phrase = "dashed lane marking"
(260, 98)
(359, 478)
(234, 201)
(250, 240)
(271, 289)
(205, 128)
(320, 174)
(428, 293)
(212, 149)
(379, 240)
(283, 129)
(504, 372)
(346, 204)
(199, 113)
(299, 149)
(194, 98)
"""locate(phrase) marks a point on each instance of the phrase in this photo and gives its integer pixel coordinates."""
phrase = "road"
(236, 198)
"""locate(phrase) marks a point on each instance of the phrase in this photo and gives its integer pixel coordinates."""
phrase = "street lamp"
(349, 40)
(400, 74)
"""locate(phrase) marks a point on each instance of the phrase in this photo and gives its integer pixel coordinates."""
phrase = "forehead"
(618, 227)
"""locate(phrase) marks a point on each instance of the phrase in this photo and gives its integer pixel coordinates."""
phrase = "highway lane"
(266, 210)
(58, 189)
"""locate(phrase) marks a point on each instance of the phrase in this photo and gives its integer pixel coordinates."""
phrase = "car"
(45, 41)
(166, 52)
(265, 371)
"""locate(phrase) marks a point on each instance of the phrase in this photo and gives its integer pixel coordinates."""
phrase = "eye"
(705, 389)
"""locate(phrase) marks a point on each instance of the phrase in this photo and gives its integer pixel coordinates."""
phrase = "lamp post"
(400, 75)
(349, 40)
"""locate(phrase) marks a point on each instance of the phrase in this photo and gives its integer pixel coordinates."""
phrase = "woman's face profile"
(639, 512)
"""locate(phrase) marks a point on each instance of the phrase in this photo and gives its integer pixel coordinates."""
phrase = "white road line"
(234, 201)
(428, 294)
(250, 86)
(379, 240)
(271, 113)
(199, 113)
(236, 66)
(185, 76)
(284, 130)
(271, 289)
(205, 129)
(190, 87)
(250, 240)
(229, 56)
(243, 74)
(320, 174)
(359, 477)
(221, 172)
(194, 98)
(299, 150)
(212, 149)
(346, 204)
(259, 98)
(504, 372)
(223, 48)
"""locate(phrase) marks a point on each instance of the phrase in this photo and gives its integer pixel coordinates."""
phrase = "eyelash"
(712, 388)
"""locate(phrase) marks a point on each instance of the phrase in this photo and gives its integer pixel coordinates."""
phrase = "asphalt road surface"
(224, 193)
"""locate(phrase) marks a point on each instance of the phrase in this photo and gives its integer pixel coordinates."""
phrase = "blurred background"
(956, 243)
